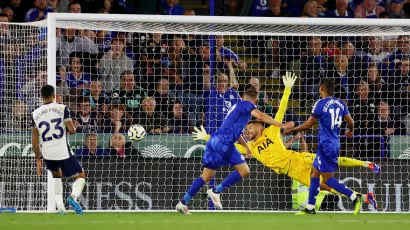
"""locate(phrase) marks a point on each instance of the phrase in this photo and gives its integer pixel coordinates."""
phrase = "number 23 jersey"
(50, 120)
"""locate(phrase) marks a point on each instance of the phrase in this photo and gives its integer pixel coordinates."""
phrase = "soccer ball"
(136, 132)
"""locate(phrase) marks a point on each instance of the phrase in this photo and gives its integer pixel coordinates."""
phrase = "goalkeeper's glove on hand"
(289, 79)
(199, 135)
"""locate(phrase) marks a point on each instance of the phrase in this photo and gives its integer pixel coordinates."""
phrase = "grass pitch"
(203, 221)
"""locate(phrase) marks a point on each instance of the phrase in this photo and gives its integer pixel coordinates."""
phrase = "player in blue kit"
(220, 149)
(329, 111)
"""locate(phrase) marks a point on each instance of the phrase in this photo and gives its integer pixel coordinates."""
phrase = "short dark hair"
(4, 15)
(252, 93)
(47, 91)
(73, 3)
(82, 99)
(256, 122)
(328, 84)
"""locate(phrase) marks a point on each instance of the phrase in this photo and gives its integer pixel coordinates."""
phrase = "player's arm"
(36, 146)
(309, 123)
(288, 80)
(268, 119)
(69, 122)
(350, 125)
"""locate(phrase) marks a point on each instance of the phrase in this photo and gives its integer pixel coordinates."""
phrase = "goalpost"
(156, 174)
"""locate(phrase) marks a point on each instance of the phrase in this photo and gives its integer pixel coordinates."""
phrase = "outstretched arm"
(269, 120)
(288, 80)
(309, 123)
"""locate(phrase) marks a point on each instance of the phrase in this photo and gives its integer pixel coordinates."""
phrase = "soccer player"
(51, 121)
(267, 147)
(329, 111)
(220, 149)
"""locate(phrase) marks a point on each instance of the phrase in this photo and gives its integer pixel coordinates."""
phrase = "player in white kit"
(51, 121)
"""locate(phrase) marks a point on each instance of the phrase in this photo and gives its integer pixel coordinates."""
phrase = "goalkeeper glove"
(289, 79)
(200, 135)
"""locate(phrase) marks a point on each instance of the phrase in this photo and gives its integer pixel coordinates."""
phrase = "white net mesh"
(115, 74)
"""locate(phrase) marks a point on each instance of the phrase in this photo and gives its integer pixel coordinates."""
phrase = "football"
(136, 132)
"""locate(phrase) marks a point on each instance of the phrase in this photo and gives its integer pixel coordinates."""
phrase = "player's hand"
(199, 135)
(349, 133)
(288, 125)
(289, 79)
(287, 131)
(207, 70)
(39, 167)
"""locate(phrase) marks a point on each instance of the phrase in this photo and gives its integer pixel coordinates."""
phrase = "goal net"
(170, 74)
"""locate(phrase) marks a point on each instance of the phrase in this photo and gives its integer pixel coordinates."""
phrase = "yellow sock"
(350, 162)
(338, 193)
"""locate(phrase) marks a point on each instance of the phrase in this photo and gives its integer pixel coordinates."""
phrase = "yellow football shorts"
(300, 166)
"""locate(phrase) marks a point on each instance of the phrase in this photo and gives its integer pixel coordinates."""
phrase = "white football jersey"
(50, 120)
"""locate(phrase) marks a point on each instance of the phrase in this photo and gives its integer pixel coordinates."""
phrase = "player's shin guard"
(58, 193)
(194, 189)
(230, 180)
(314, 190)
(333, 183)
(78, 187)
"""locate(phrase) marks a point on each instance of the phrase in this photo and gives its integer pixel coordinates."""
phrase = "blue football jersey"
(236, 120)
(330, 112)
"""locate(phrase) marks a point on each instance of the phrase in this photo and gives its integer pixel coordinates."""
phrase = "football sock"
(314, 190)
(194, 189)
(230, 180)
(350, 162)
(341, 188)
(58, 192)
(78, 187)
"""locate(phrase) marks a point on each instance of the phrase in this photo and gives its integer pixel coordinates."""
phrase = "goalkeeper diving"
(266, 146)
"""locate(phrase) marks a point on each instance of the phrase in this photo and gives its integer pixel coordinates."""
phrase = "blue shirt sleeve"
(31, 15)
(317, 110)
(249, 106)
(67, 115)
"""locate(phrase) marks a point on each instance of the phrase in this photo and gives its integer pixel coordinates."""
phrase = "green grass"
(199, 221)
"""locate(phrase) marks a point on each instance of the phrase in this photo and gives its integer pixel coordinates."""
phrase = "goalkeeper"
(267, 147)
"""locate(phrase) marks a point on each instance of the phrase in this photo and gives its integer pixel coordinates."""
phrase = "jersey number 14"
(336, 119)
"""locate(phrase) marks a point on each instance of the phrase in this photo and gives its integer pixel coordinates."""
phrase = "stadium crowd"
(111, 80)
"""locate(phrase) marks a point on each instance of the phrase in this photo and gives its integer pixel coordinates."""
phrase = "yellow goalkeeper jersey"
(269, 148)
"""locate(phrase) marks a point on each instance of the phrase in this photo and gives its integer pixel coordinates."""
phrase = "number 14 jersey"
(50, 120)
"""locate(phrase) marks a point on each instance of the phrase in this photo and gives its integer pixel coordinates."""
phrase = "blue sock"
(230, 180)
(195, 187)
(333, 183)
(314, 190)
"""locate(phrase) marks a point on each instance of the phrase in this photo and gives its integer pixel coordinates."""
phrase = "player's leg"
(242, 171)
(350, 162)
(55, 170)
(72, 168)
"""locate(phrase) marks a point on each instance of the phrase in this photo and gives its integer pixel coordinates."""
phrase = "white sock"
(58, 192)
(367, 163)
(353, 196)
(310, 206)
(78, 187)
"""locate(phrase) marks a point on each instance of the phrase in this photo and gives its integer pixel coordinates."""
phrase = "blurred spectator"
(313, 10)
(396, 10)
(355, 63)
(363, 108)
(189, 12)
(164, 99)
(9, 12)
(19, 9)
(170, 7)
(275, 9)
(62, 5)
(31, 90)
(69, 42)
(17, 119)
(86, 120)
(98, 98)
(74, 7)
(259, 8)
(128, 94)
(227, 55)
(218, 100)
(373, 53)
(312, 66)
(341, 10)
(176, 53)
(75, 77)
(178, 120)
(120, 148)
(402, 51)
(62, 86)
(90, 147)
(384, 124)
(399, 88)
(331, 49)
(153, 122)
(303, 147)
(114, 63)
(344, 79)
(198, 67)
(368, 9)
(377, 86)
(117, 123)
(155, 57)
(41, 10)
